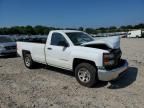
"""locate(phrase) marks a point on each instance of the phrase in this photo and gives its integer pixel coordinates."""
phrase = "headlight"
(108, 59)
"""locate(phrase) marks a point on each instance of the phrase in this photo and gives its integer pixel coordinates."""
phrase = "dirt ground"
(48, 87)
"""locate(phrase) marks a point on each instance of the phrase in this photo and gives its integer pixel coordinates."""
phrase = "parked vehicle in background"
(77, 51)
(31, 38)
(134, 34)
(7, 46)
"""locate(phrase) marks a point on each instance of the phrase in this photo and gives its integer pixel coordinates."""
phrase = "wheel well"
(25, 52)
(77, 61)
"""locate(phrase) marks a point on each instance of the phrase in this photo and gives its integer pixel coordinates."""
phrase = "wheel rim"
(84, 75)
(27, 61)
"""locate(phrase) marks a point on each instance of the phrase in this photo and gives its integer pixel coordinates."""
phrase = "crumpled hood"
(112, 42)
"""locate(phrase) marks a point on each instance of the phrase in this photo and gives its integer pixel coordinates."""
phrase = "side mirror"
(65, 44)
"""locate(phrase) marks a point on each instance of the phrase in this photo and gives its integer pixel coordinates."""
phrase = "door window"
(57, 39)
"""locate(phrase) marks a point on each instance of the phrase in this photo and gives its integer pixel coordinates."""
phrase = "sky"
(71, 13)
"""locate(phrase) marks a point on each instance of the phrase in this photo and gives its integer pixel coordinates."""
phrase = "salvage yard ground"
(46, 86)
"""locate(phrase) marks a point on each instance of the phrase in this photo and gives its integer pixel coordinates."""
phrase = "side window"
(57, 39)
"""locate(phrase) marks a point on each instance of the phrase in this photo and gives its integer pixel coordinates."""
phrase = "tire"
(86, 74)
(29, 63)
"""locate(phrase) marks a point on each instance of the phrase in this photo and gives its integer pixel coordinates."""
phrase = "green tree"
(90, 30)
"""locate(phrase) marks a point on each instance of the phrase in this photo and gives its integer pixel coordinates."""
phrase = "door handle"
(49, 48)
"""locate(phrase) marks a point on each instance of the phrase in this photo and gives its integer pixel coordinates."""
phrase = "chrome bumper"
(107, 75)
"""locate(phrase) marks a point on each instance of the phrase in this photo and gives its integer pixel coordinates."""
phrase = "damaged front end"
(113, 66)
(108, 42)
(112, 59)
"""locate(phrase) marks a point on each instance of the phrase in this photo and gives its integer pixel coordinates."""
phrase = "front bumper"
(8, 53)
(108, 75)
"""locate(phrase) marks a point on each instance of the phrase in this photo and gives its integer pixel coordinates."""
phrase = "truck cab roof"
(65, 31)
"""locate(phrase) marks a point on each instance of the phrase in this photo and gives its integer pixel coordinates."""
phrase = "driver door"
(57, 54)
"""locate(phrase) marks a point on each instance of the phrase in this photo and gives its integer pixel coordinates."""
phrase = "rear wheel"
(86, 74)
(29, 63)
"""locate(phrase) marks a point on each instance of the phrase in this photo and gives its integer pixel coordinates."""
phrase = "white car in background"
(134, 34)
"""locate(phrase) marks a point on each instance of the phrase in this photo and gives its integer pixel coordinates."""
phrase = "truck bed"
(35, 46)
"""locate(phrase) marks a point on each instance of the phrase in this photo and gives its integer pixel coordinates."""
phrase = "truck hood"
(111, 42)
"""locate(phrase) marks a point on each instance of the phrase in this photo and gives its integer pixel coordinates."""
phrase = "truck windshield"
(79, 38)
(6, 39)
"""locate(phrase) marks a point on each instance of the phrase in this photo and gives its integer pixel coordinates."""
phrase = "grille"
(117, 56)
(10, 47)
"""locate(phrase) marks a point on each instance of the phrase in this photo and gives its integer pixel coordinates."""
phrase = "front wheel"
(86, 74)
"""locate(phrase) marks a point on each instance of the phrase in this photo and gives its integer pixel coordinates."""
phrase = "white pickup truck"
(91, 59)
